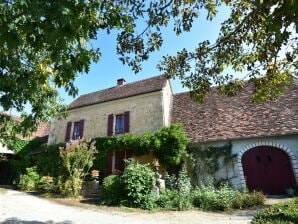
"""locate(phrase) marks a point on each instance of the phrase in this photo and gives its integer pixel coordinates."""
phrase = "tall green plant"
(77, 159)
(29, 180)
(138, 181)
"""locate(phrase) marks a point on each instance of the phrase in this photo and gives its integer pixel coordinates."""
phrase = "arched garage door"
(268, 169)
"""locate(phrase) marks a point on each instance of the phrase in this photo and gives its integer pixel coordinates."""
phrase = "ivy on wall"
(168, 144)
(22, 147)
(205, 161)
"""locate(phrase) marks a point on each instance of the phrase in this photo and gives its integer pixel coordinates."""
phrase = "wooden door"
(268, 169)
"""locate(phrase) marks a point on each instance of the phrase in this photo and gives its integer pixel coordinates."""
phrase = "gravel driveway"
(19, 207)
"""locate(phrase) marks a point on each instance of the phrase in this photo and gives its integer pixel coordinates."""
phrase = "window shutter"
(109, 162)
(126, 121)
(68, 130)
(82, 128)
(110, 124)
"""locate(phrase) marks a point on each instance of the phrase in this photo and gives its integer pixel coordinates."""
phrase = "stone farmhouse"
(264, 136)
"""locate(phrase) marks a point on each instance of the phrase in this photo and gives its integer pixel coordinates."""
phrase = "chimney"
(120, 82)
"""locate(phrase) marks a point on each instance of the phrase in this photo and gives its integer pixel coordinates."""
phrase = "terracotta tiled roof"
(223, 118)
(118, 92)
(42, 131)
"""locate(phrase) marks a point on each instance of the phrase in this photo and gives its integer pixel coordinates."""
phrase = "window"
(76, 130)
(119, 127)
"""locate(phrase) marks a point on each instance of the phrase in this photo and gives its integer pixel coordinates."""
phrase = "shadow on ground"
(20, 221)
(91, 201)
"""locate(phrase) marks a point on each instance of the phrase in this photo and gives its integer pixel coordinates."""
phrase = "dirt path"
(18, 207)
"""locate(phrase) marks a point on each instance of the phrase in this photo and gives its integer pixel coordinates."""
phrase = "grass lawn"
(282, 213)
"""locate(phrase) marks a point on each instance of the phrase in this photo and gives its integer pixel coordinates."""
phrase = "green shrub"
(30, 180)
(181, 183)
(70, 187)
(46, 184)
(209, 198)
(248, 200)
(283, 213)
(138, 181)
(174, 200)
(223, 198)
(111, 190)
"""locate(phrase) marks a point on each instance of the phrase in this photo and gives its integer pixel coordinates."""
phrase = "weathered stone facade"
(148, 112)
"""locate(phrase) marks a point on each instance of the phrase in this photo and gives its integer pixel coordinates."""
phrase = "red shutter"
(109, 162)
(126, 121)
(68, 130)
(81, 128)
(110, 125)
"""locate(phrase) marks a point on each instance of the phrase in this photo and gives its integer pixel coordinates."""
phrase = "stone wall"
(146, 114)
(167, 101)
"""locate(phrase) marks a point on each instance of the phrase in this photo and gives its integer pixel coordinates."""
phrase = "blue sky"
(105, 73)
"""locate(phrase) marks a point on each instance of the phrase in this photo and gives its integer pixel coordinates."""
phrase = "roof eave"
(119, 98)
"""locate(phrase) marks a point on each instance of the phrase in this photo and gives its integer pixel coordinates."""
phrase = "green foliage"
(112, 193)
(77, 159)
(244, 200)
(174, 200)
(283, 213)
(138, 181)
(181, 183)
(42, 47)
(49, 162)
(46, 184)
(224, 198)
(17, 145)
(30, 180)
(99, 162)
(205, 160)
(45, 46)
(22, 149)
(70, 187)
(168, 144)
(171, 145)
(251, 41)
(209, 198)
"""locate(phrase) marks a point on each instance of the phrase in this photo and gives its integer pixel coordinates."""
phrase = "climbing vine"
(22, 147)
(168, 144)
(205, 161)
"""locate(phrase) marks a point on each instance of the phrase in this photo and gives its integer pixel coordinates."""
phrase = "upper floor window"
(76, 130)
(119, 126)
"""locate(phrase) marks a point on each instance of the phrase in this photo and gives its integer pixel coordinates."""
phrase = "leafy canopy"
(44, 45)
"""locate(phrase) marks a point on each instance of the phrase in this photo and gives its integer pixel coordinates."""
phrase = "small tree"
(77, 159)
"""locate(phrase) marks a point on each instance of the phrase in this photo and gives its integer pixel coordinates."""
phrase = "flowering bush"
(77, 159)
